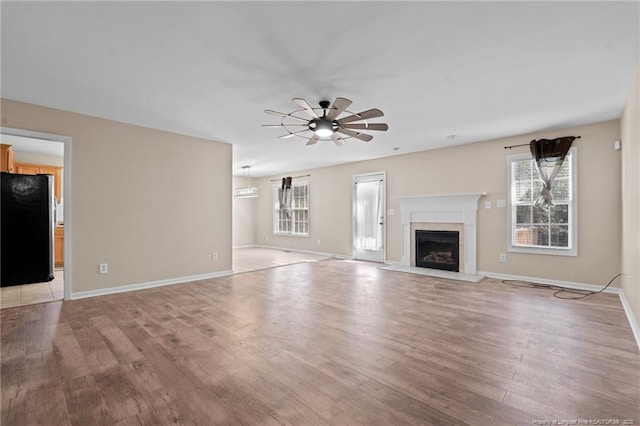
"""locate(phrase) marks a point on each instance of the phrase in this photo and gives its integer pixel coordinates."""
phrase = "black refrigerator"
(26, 229)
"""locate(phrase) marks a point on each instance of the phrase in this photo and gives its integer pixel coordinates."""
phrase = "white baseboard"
(150, 284)
(568, 284)
(318, 253)
(633, 322)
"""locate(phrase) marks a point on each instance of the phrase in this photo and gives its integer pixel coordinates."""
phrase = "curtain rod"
(526, 144)
(295, 177)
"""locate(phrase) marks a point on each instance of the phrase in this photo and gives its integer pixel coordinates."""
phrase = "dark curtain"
(285, 196)
(549, 154)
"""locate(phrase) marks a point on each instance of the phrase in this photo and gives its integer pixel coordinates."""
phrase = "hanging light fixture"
(323, 127)
(247, 191)
(325, 122)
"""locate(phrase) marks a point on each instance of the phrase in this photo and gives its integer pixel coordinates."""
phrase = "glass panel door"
(369, 217)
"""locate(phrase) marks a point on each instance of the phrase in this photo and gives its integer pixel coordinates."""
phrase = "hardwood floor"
(247, 259)
(327, 342)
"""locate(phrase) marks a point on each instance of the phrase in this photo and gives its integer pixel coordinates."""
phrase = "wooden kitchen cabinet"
(58, 247)
(8, 161)
(28, 169)
(34, 169)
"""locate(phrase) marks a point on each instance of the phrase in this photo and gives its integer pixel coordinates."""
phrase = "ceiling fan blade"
(368, 126)
(303, 104)
(357, 135)
(281, 125)
(337, 140)
(282, 114)
(313, 140)
(290, 135)
(364, 115)
(339, 105)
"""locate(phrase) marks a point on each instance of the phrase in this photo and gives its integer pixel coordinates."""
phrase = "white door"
(369, 217)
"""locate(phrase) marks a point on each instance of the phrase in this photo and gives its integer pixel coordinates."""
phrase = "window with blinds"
(295, 219)
(536, 229)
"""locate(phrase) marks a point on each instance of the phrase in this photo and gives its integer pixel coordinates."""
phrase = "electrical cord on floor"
(560, 289)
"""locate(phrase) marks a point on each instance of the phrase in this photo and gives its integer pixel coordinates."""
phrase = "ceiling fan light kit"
(324, 122)
(247, 191)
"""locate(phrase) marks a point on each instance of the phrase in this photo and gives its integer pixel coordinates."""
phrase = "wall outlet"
(503, 257)
(391, 212)
(318, 242)
(487, 204)
(103, 268)
(501, 203)
(214, 256)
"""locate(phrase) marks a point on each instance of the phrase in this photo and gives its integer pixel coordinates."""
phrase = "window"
(296, 221)
(535, 229)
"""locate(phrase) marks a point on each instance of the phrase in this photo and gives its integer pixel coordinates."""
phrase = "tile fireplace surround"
(456, 212)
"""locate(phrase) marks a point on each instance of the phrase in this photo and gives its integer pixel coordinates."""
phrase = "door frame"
(66, 185)
(383, 209)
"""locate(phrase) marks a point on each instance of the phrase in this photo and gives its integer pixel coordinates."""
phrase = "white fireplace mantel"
(446, 208)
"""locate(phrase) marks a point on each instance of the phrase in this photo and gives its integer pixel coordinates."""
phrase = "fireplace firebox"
(438, 250)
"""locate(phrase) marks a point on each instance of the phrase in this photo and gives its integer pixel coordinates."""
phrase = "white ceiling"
(480, 70)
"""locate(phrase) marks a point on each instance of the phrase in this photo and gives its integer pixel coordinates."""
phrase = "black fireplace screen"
(438, 250)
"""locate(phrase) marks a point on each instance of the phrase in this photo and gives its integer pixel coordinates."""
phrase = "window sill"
(286, 234)
(546, 251)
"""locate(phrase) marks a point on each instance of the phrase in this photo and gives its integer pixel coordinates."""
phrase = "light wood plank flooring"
(328, 342)
(247, 259)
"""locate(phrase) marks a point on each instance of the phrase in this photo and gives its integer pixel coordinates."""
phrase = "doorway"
(65, 220)
(369, 216)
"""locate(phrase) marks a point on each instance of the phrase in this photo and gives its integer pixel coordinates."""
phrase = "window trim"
(275, 221)
(572, 250)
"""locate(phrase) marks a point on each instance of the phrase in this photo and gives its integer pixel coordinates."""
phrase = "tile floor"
(29, 294)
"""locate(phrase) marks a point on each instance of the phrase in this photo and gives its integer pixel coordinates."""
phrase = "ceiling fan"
(325, 122)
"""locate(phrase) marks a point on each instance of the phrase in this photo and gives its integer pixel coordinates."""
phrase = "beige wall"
(244, 215)
(479, 167)
(151, 204)
(630, 129)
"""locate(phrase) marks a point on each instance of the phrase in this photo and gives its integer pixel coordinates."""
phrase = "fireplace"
(438, 249)
(442, 212)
